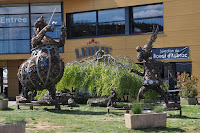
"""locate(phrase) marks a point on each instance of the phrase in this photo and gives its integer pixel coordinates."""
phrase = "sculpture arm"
(136, 72)
(36, 39)
(62, 36)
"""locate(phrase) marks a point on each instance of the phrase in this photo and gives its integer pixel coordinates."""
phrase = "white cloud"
(148, 13)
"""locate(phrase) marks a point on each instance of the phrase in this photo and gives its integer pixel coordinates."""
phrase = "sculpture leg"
(162, 93)
(142, 90)
(52, 92)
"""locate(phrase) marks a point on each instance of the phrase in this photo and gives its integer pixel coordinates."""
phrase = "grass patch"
(14, 119)
(95, 119)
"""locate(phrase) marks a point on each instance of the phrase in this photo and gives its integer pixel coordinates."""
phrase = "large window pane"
(111, 15)
(14, 20)
(14, 9)
(144, 17)
(111, 28)
(148, 11)
(56, 18)
(146, 25)
(15, 46)
(15, 33)
(55, 34)
(45, 8)
(83, 30)
(83, 18)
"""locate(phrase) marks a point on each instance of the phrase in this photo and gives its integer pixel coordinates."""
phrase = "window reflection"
(111, 15)
(144, 17)
(111, 28)
(15, 33)
(56, 18)
(148, 11)
(83, 18)
(15, 46)
(45, 8)
(14, 9)
(14, 20)
(146, 25)
(83, 30)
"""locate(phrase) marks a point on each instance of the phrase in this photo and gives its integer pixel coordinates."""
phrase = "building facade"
(116, 26)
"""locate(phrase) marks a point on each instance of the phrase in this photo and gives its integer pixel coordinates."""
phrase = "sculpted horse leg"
(162, 93)
(141, 92)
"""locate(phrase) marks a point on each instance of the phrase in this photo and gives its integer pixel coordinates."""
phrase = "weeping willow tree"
(97, 78)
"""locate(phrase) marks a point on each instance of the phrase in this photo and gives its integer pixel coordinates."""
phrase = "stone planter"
(13, 128)
(188, 101)
(3, 104)
(147, 120)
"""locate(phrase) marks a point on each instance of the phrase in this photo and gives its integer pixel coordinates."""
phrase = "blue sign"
(171, 53)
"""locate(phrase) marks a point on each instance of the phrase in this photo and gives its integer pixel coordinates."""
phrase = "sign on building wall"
(3, 64)
(91, 48)
(171, 53)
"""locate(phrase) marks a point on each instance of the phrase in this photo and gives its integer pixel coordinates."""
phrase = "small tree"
(98, 78)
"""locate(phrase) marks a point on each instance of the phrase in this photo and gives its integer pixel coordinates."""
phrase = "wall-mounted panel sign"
(3, 64)
(171, 53)
(91, 49)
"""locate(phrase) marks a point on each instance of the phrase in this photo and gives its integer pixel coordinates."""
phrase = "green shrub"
(158, 109)
(1, 96)
(187, 85)
(151, 94)
(136, 108)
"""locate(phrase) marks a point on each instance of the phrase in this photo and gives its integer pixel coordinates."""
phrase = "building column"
(13, 82)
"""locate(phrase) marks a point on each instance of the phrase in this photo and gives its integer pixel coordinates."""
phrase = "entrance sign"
(171, 53)
(9, 20)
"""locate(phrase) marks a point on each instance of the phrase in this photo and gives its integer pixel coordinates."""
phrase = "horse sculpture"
(45, 67)
(151, 75)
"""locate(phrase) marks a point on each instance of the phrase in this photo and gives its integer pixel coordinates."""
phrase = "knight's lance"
(52, 16)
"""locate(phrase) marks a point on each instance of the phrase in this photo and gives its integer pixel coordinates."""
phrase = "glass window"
(146, 25)
(111, 21)
(111, 15)
(55, 34)
(15, 33)
(45, 8)
(83, 18)
(144, 17)
(83, 30)
(111, 28)
(56, 18)
(14, 20)
(14, 9)
(15, 25)
(85, 24)
(15, 46)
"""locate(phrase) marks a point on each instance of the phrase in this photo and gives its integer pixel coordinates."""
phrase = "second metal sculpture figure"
(152, 77)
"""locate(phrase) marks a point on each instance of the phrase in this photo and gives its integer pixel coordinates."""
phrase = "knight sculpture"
(151, 76)
(45, 67)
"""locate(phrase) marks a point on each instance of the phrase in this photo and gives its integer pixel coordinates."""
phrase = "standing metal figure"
(45, 67)
(151, 74)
